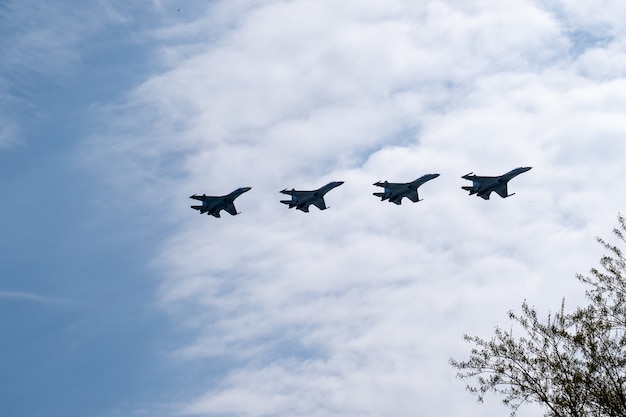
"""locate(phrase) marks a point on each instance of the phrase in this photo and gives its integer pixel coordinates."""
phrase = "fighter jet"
(394, 192)
(301, 200)
(214, 204)
(483, 186)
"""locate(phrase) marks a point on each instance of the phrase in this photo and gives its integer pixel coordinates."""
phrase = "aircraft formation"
(394, 192)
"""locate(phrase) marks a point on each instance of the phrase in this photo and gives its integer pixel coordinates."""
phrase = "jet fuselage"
(301, 200)
(395, 192)
(484, 186)
(212, 205)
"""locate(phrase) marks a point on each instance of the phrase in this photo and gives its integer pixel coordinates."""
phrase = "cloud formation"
(354, 311)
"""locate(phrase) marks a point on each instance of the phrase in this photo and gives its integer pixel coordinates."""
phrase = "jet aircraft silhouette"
(394, 192)
(301, 200)
(214, 204)
(483, 186)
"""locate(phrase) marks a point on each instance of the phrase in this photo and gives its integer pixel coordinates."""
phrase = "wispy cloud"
(26, 296)
(42, 48)
(355, 310)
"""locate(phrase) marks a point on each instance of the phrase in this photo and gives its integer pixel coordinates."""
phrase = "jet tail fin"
(288, 202)
(470, 189)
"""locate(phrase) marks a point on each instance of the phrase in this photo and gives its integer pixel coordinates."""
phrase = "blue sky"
(116, 299)
(81, 334)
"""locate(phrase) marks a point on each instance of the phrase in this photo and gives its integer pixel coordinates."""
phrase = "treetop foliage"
(572, 364)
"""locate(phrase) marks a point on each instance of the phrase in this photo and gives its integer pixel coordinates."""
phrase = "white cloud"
(356, 310)
(26, 296)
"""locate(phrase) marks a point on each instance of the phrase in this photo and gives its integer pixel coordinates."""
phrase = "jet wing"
(320, 204)
(230, 209)
(413, 196)
(502, 190)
